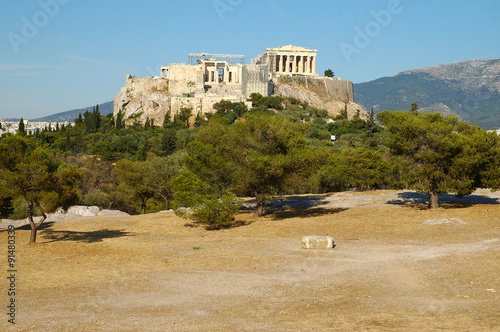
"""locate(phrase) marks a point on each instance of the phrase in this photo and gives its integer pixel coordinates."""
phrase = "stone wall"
(184, 79)
(325, 87)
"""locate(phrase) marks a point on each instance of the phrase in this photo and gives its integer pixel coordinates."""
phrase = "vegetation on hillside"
(207, 162)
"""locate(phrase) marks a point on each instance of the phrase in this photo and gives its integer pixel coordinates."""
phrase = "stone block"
(317, 242)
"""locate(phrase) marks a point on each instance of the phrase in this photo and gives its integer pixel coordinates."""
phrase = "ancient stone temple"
(288, 60)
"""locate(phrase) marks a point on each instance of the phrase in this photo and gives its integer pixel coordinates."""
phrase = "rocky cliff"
(143, 98)
(151, 98)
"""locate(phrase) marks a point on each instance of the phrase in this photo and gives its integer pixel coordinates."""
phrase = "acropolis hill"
(210, 78)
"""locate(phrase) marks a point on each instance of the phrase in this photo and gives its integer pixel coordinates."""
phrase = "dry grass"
(388, 272)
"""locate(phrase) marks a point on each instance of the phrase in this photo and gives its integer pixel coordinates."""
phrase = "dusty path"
(392, 270)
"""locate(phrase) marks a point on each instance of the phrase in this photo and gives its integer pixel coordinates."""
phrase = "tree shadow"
(43, 226)
(420, 201)
(85, 237)
(415, 198)
(304, 213)
(215, 227)
(288, 202)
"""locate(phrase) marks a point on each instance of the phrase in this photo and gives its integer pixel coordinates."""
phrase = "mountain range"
(104, 109)
(470, 90)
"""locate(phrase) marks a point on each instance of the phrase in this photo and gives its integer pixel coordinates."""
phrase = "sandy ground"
(396, 266)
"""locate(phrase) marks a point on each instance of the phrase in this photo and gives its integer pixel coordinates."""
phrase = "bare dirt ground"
(397, 266)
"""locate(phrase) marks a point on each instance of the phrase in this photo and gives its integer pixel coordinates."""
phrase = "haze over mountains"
(104, 109)
(469, 90)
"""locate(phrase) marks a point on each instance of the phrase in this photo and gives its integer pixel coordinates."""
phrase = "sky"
(58, 55)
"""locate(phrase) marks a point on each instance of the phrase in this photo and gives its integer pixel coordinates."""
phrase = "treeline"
(206, 161)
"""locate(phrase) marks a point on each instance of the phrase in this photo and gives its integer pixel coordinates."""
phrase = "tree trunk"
(433, 197)
(33, 224)
(167, 202)
(259, 211)
(143, 208)
(34, 229)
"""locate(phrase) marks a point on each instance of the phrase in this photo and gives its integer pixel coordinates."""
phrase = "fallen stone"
(317, 242)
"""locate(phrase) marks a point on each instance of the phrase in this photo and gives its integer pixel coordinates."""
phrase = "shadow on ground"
(86, 237)
(45, 225)
(306, 213)
(445, 200)
(290, 202)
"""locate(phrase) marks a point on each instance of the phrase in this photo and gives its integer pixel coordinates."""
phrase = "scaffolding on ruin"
(232, 59)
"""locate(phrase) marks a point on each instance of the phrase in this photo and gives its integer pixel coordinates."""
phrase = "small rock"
(317, 242)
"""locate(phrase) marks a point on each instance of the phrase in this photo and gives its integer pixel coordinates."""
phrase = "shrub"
(213, 212)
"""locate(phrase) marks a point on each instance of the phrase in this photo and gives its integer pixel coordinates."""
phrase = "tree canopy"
(446, 155)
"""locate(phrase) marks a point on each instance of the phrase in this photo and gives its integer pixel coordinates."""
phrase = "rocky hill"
(316, 95)
(469, 90)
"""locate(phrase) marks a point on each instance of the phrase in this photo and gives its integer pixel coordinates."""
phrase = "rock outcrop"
(143, 98)
(319, 99)
(151, 98)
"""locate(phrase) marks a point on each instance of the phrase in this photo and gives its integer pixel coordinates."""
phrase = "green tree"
(360, 167)
(329, 73)
(447, 155)
(39, 178)
(343, 112)
(131, 178)
(159, 172)
(21, 129)
(414, 108)
(255, 157)
(119, 121)
(189, 190)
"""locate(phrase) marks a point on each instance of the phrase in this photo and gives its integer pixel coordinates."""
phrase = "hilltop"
(469, 90)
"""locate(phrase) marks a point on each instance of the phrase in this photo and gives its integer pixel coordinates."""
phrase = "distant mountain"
(469, 90)
(104, 109)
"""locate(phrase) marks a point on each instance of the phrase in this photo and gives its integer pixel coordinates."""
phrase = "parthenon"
(288, 60)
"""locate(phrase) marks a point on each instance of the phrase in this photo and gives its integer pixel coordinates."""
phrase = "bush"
(215, 213)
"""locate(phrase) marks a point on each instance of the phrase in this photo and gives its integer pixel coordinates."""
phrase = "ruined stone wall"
(138, 86)
(184, 79)
(255, 80)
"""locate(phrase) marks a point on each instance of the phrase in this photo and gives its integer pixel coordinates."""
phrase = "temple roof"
(292, 48)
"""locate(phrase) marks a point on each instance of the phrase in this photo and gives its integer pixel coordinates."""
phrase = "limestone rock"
(84, 211)
(317, 242)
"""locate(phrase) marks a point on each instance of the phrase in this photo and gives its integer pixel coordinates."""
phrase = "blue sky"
(57, 55)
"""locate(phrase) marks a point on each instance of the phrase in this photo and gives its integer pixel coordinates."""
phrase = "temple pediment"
(291, 48)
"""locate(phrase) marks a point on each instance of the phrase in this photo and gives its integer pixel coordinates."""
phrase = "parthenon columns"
(295, 64)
